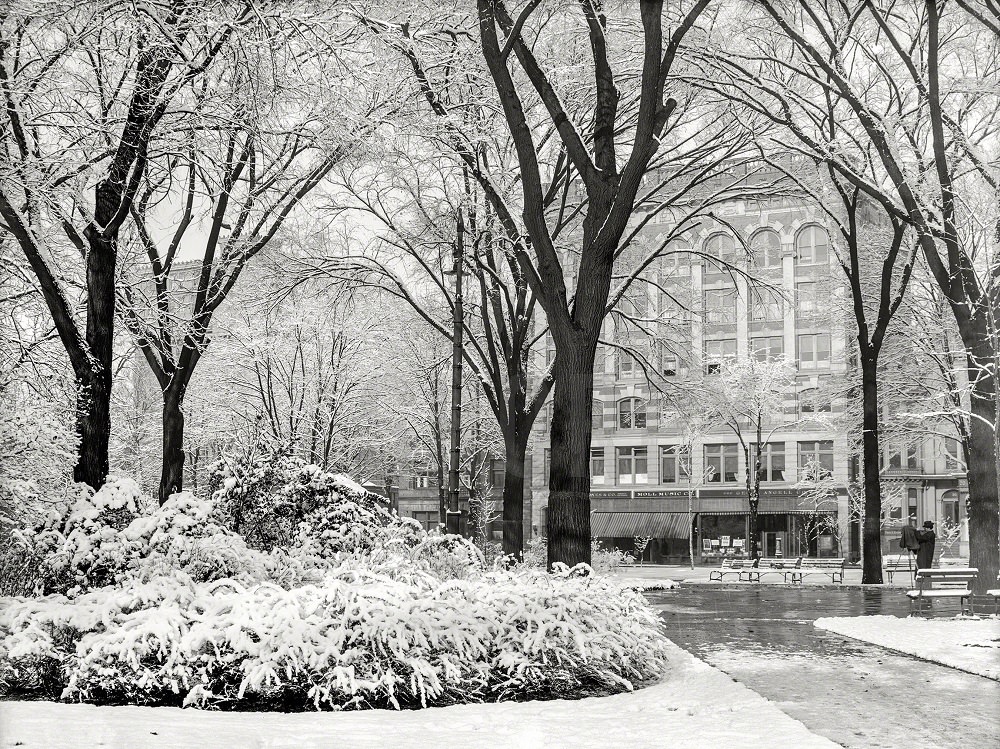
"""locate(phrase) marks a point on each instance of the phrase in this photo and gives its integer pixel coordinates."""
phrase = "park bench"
(832, 567)
(948, 582)
(731, 566)
(772, 565)
(903, 563)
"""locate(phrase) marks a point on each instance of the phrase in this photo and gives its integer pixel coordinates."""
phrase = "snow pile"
(971, 645)
(380, 635)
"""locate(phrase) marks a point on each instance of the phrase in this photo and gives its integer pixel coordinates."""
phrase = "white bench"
(772, 566)
(731, 567)
(902, 563)
(948, 582)
(832, 567)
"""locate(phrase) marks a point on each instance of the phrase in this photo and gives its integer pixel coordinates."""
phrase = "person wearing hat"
(925, 553)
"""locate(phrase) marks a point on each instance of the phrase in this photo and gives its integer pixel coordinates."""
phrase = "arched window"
(812, 245)
(721, 246)
(766, 246)
(949, 507)
(631, 414)
(597, 418)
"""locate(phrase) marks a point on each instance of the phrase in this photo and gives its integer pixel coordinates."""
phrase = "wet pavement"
(853, 693)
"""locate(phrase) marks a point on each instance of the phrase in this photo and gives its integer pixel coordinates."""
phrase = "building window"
(669, 364)
(428, 519)
(721, 246)
(717, 352)
(625, 365)
(949, 507)
(812, 245)
(723, 462)
(820, 453)
(772, 462)
(423, 479)
(675, 464)
(498, 470)
(597, 415)
(632, 468)
(814, 351)
(807, 297)
(767, 348)
(812, 401)
(951, 461)
(765, 306)
(597, 465)
(720, 305)
(911, 504)
(631, 414)
(912, 456)
(766, 246)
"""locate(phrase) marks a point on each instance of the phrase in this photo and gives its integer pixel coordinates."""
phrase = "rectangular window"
(951, 462)
(720, 305)
(765, 306)
(819, 452)
(766, 348)
(912, 456)
(675, 464)
(597, 415)
(597, 465)
(772, 462)
(723, 461)
(668, 365)
(717, 352)
(624, 365)
(427, 519)
(497, 473)
(632, 465)
(631, 414)
(911, 504)
(807, 299)
(814, 351)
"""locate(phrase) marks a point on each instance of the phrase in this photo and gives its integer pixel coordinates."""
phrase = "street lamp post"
(454, 514)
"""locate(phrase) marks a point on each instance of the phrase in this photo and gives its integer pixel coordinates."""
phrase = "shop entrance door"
(772, 544)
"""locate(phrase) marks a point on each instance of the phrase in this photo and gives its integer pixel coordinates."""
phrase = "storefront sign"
(624, 494)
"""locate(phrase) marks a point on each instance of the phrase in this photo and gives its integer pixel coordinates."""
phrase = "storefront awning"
(630, 524)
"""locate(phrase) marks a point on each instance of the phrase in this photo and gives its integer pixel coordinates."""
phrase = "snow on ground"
(971, 645)
(696, 706)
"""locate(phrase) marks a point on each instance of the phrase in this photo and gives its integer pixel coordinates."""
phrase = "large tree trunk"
(568, 519)
(172, 471)
(513, 496)
(93, 413)
(984, 520)
(871, 539)
(753, 498)
(93, 428)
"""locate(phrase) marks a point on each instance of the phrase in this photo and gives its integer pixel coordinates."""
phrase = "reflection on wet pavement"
(856, 694)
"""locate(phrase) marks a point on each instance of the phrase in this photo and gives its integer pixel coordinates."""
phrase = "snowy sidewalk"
(697, 706)
(971, 645)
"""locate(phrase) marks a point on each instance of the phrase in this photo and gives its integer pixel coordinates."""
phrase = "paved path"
(855, 694)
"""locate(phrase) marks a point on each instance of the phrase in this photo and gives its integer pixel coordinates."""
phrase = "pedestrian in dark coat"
(925, 554)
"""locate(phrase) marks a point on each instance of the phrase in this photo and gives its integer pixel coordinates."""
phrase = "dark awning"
(630, 524)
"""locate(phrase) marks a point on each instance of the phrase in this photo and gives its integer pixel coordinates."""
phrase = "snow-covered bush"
(272, 498)
(368, 635)
(117, 534)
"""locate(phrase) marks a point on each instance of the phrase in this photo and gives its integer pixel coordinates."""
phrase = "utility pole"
(454, 514)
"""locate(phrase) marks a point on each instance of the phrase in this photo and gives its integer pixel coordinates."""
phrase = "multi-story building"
(653, 477)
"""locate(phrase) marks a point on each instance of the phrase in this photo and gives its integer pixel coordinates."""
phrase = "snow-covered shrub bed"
(391, 634)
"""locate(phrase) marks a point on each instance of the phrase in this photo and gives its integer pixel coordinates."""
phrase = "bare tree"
(254, 144)
(558, 146)
(899, 101)
(85, 90)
